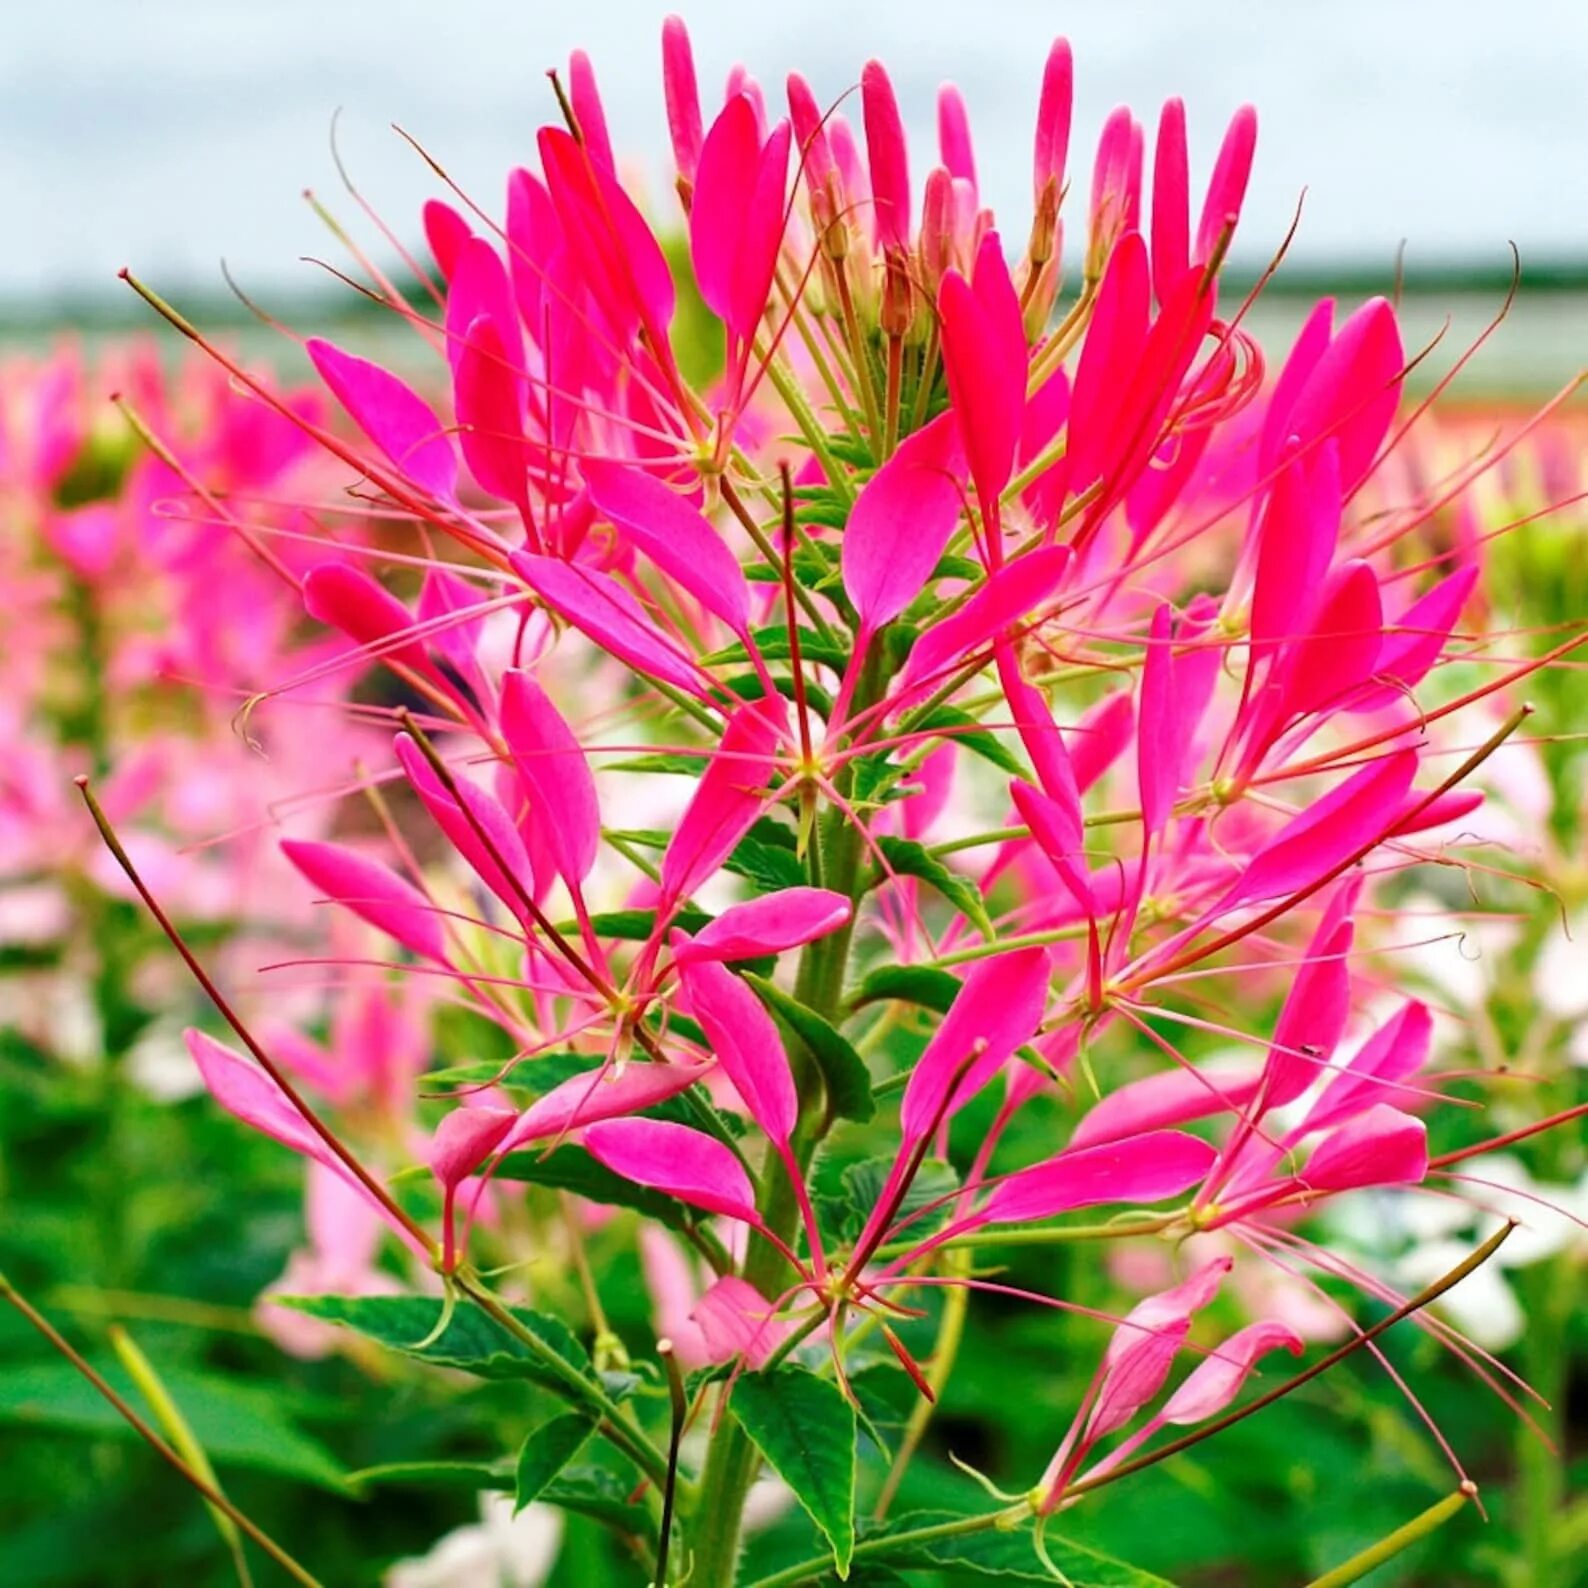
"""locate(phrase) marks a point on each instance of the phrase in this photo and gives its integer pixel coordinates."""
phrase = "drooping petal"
(551, 765)
(745, 1041)
(464, 1139)
(735, 1320)
(1217, 1379)
(674, 1159)
(1173, 1098)
(393, 415)
(464, 834)
(372, 892)
(769, 925)
(248, 1094)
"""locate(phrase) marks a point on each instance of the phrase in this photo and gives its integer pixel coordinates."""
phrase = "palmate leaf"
(844, 1071)
(862, 1187)
(471, 1341)
(806, 1430)
(1011, 1555)
(547, 1451)
(959, 727)
(906, 858)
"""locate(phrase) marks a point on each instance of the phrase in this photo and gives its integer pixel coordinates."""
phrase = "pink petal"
(888, 156)
(551, 766)
(605, 1093)
(984, 358)
(1382, 1146)
(446, 232)
(1397, 1050)
(728, 798)
(394, 416)
(999, 1006)
(364, 610)
(1227, 186)
(372, 892)
(461, 832)
(1348, 819)
(1171, 199)
(600, 607)
(1009, 595)
(248, 1094)
(953, 135)
(742, 1036)
(1053, 120)
(1171, 1098)
(1341, 651)
(683, 1163)
(768, 925)
(682, 96)
(585, 98)
(735, 1320)
(675, 535)
(1297, 540)
(489, 401)
(1141, 1169)
(1313, 1018)
(464, 1139)
(1217, 1380)
(901, 523)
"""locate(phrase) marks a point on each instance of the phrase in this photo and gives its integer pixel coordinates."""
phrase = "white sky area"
(166, 134)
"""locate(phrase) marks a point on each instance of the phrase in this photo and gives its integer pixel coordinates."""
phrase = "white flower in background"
(1438, 1233)
(499, 1551)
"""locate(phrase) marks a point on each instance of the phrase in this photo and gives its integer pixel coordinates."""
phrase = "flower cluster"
(1039, 685)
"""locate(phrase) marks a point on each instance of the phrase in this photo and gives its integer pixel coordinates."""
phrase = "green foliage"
(806, 1430)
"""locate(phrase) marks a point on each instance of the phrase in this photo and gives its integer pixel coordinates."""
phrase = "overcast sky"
(166, 134)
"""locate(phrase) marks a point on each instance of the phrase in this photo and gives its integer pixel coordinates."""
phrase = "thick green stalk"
(733, 1459)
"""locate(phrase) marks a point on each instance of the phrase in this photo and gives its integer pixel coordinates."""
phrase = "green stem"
(961, 1527)
(614, 1422)
(1390, 1546)
(732, 1459)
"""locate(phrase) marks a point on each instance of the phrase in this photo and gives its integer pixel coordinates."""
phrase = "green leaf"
(806, 1430)
(571, 1168)
(767, 867)
(910, 984)
(638, 926)
(538, 1073)
(910, 859)
(238, 1424)
(435, 1475)
(863, 1183)
(547, 1451)
(597, 1493)
(1012, 1555)
(660, 761)
(773, 644)
(961, 728)
(844, 1071)
(471, 1341)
